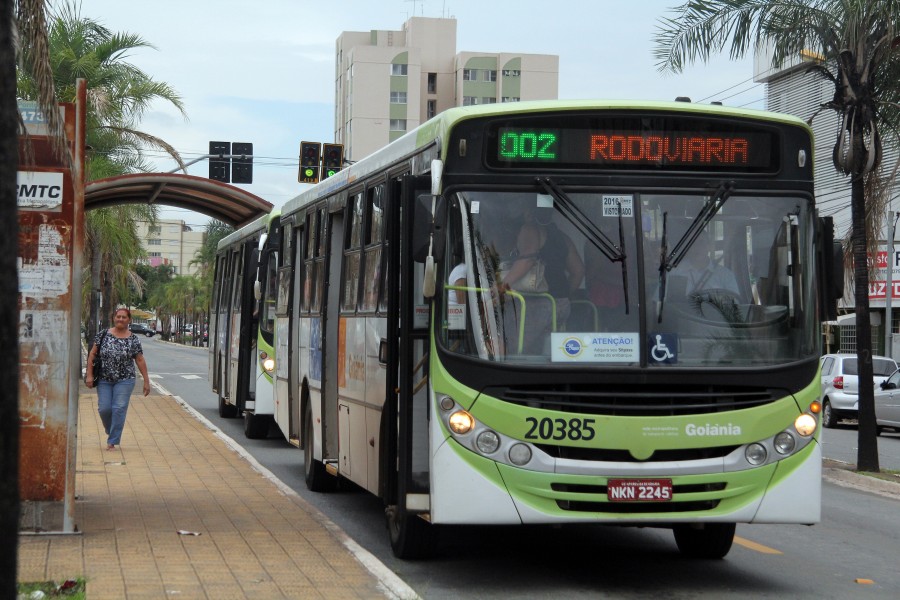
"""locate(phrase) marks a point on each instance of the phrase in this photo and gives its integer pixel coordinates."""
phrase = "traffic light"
(241, 162)
(332, 159)
(310, 157)
(218, 167)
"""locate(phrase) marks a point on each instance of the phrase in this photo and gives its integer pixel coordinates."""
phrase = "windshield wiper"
(591, 232)
(667, 261)
(706, 214)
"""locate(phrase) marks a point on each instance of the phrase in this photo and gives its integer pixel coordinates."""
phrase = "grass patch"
(71, 588)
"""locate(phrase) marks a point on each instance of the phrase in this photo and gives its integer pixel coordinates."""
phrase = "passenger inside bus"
(548, 263)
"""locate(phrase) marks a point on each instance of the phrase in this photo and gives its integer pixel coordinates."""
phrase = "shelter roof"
(222, 201)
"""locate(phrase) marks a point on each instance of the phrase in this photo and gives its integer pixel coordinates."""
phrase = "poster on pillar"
(50, 234)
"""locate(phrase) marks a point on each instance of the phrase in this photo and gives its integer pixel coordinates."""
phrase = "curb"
(862, 483)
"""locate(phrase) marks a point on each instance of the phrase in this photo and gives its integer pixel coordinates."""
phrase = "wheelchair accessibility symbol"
(663, 348)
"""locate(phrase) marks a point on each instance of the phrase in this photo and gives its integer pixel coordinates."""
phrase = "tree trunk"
(9, 313)
(95, 290)
(867, 452)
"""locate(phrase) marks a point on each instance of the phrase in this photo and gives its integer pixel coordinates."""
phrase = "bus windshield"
(555, 277)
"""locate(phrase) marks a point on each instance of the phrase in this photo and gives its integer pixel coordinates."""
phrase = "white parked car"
(887, 404)
(840, 385)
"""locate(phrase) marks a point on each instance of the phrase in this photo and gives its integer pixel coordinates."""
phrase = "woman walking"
(119, 351)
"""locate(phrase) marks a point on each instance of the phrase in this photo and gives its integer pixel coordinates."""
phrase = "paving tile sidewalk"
(174, 473)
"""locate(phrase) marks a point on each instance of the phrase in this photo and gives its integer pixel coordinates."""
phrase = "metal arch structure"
(216, 199)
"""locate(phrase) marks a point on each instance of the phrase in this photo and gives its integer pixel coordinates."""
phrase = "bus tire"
(317, 478)
(828, 418)
(412, 537)
(704, 540)
(226, 411)
(256, 427)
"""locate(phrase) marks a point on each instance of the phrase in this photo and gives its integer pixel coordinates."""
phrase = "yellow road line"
(754, 546)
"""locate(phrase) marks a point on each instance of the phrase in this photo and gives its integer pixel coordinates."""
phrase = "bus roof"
(434, 131)
(253, 228)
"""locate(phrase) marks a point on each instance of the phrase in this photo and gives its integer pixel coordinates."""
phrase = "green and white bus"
(242, 324)
(563, 312)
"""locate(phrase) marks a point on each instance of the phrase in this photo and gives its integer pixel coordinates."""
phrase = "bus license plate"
(639, 490)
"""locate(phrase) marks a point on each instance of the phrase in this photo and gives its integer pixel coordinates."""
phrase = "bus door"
(406, 452)
(287, 413)
(331, 309)
(242, 329)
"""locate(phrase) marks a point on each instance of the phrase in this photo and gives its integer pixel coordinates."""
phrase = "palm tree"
(858, 42)
(118, 96)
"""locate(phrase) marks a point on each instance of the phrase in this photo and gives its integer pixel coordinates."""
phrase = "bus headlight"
(461, 422)
(519, 454)
(267, 363)
(805, 424)
(784, 443)
(487, 442)
(756, 454)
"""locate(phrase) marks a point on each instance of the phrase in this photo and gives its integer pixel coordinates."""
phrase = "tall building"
(390, 82)
(171, 243)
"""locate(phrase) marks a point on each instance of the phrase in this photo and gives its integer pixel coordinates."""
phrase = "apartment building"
(172, 243)
(390, 82)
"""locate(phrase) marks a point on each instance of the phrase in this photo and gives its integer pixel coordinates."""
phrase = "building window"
(511, 72)
(398, 70)
(432, 83)
(154, 254)
(155, 230)
(431, 108)
(398, 97)
(490, 75)
(488, 100)
(470, 74)
(398, 125)
(510, 99)
(154, 242)
(470, 100)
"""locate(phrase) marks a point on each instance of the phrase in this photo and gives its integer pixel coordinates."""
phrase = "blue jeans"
(112, 404)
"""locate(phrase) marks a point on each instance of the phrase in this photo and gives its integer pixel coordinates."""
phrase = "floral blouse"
(118, 356)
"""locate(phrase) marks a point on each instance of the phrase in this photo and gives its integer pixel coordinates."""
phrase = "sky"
(263, 72)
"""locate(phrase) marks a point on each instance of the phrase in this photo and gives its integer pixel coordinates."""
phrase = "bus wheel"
(317, 479)
(226, 411)
(828, 419)
(411, 536)
(256, 427)
(704, 540)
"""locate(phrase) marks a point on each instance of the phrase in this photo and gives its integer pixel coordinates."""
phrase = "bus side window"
(373, 248)
(353, 253)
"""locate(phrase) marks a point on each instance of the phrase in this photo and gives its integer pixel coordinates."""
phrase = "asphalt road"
(851, 554)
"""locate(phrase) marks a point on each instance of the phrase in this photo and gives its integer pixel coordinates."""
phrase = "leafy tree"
(859, 45)
(118, 96)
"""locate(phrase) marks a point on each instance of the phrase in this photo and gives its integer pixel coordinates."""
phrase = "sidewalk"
(175, 474)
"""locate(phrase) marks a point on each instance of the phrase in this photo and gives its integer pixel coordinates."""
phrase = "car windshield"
(554, 277)
(881, 367)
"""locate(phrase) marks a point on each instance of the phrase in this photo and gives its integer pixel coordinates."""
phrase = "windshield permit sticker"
(611, 205)
(475, 207)
(544, 201)
(595, 347)
(662, 348)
